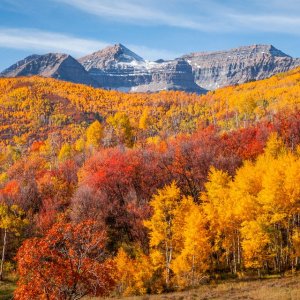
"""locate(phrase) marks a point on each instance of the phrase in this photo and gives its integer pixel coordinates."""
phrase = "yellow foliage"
(193, 260)
(255, 244)
(133, 274)
(65, 152)
(163, 239)
(94, 134)
(12, 218)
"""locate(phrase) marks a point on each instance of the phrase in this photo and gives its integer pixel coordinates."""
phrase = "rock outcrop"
(170, 75)
(55, 65)
(213, 70)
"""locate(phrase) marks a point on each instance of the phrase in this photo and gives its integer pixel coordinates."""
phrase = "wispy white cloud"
(31, 39)
(267, 23)
(202, 15)
(44, 41)
(145, 12)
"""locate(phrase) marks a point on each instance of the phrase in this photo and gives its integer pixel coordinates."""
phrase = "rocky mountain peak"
(109, 56)
(36, 65)
(258, 50)
(274, 51)
(123, 54)
(240, 52)
(56, 65)
(11, 71)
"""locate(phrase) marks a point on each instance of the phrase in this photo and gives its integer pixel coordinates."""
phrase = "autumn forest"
(104, 193)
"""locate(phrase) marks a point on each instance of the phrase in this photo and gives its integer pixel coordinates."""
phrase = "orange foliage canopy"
(67, 263)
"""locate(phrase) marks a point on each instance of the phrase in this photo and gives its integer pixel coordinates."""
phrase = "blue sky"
(152, 28)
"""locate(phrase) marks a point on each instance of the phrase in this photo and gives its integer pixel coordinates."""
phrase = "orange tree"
(68, 263)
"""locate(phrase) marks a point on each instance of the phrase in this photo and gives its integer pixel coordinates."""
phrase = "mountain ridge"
(214, 70)
(117, 67)
(253, 48)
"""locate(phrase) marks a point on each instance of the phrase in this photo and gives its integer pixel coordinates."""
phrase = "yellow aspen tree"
(275, 146)
(182, 212)
(94, 134)
(79, 145)
(255, 244)
(122, 127)
(125, 271)
(219, 208)
(193, 260)
(268, 190)
(11, 221)
(134, 274)
(65, 152)
(144, 121)
(279, 198)
(161, 228)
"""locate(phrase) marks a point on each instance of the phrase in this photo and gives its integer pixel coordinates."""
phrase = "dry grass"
(287, 288)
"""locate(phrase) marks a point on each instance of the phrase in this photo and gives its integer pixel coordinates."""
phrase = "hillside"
(109, 193)
(31, 108)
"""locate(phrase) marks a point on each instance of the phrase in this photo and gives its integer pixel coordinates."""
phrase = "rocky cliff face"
(218, 69)
(170, 75)
(117, 67)
(55, 65)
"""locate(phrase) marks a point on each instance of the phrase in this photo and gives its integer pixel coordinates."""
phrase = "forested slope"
(105, 192)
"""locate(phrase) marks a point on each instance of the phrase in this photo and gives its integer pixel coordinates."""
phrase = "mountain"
(213, 70)
(116, 67)
(54, 65)
(109, 57)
